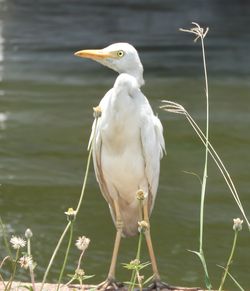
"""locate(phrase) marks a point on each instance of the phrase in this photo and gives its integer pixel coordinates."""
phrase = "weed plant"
(17, 243)
(170, 106)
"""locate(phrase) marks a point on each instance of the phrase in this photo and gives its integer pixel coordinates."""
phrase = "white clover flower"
(82, 243)
(237, 224)
(17, 242)
(26, 262)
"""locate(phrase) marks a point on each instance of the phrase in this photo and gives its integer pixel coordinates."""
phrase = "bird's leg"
(110, 283)
(149, 242)
(119, 226)
(157, 284)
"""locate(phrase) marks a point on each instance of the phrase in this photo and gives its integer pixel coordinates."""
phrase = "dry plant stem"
(1, 279)
(77, 209)
(229, 261)
(204, 180)
(78, 267)
(177, 108)
(32, 276)
(200, 33)
(3, 261)
(80, 260)
(220, 165)
(1, 265)
(139, 280)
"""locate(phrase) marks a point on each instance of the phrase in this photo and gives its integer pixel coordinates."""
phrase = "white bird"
(127, 147)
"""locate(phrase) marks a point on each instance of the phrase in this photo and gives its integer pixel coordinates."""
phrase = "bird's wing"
(153, 146)
(96, 139)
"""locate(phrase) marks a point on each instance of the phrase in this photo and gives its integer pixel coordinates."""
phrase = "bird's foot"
(109, 284)
(158, 285)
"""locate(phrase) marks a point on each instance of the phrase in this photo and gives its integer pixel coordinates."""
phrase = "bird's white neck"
(139, 78)
(138, 75)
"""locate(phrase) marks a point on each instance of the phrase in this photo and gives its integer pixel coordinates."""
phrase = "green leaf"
(88, 277)
(148, 280)
(207, 280)
(137, 267)
(144, 265)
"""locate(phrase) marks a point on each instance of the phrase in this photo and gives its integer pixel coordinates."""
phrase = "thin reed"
(174, 107)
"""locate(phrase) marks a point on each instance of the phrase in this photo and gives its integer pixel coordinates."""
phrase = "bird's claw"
(159, 285)
(109, 284)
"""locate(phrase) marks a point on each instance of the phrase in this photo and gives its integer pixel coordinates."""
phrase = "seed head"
(200, 32)
(26, 262)
(135, 262)
(140, 195)
(82, 243)
(97, 111)
(17, 242)
(28, 233)
(79, 272)
(237, 224)
(71, 214)
(143, 225)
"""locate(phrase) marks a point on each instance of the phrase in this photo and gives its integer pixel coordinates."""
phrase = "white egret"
(127, 147)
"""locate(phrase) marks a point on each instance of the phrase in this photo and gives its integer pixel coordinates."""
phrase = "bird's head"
(120, 57)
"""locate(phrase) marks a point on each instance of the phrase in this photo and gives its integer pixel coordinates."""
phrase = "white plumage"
(128, 143)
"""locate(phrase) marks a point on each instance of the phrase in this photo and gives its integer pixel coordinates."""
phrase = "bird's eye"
(120, 54)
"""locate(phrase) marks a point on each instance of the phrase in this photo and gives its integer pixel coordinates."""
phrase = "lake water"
(46, 98)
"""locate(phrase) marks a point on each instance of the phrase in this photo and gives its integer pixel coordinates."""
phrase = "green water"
(46, 99)
(43, 171)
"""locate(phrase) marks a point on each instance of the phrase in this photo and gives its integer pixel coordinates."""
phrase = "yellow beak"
(94, 54)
